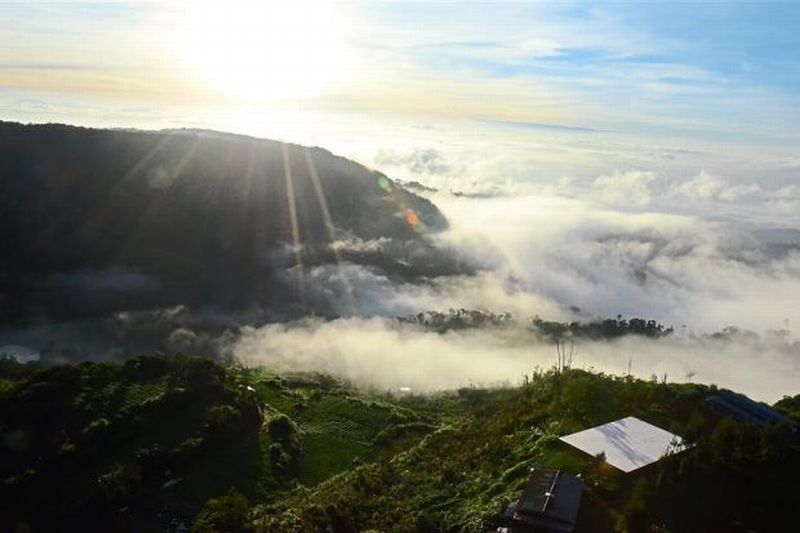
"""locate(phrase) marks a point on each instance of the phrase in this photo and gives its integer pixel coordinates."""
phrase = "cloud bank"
(385, 354)
(573, 255)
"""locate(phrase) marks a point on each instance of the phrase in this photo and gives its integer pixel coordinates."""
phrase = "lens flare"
(412, 218)
(383, 183)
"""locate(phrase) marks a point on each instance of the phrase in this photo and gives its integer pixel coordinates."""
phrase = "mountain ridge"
(177, 216)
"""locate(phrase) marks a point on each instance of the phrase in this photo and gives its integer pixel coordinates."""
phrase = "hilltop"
(95, 221)
(164, 442)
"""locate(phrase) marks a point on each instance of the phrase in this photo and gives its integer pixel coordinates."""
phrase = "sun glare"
(267, 50)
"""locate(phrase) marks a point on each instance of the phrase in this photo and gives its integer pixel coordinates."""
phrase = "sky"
(565, 91)
(721, 71)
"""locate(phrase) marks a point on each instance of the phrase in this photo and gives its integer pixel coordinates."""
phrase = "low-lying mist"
(386, 354)
(694, 251)
(684, 270)
(566, 257)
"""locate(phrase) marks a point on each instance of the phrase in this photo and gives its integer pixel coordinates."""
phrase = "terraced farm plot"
(337, 427)
(136, 394)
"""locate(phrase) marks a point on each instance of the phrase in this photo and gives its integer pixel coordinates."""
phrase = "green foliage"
(457, 319)
(176, 434)
(585, 398)
(334, 428)
(790, 405)
(286, 451)
(738, 446)
(282, 428)
(599, 329)
(96, 429)
(104, 436)
(222, 418)
(402, 431)
(460, 476)
(634, 516)
(12, 370)
(120, 483)
(137, 394)
(284, 462)
(225, 514)
(694, 428)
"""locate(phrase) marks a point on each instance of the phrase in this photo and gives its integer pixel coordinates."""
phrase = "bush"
(286, 450)
(634, 514)
(282, 462)
(226, 514)
(97, 429)
(281, 428)
(223, 418)
(121, 482)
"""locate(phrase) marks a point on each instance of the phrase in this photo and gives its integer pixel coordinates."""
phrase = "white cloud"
(626, 188)
(706, 186)
(681, 269)
(385, 354)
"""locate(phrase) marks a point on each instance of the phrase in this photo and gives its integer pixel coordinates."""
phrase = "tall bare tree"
(565, 351)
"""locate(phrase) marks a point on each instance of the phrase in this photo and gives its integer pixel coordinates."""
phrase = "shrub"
(225, 514)
(284, 431)
(121, 482)
(282, 462)
(223, 418)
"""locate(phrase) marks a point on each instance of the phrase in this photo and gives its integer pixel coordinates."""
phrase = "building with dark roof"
(742, 409)
(549, 504)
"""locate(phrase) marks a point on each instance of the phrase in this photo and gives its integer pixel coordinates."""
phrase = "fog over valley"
(278, 266)
(709, 257)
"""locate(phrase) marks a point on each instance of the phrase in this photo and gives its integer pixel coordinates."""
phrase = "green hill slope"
(159, 443)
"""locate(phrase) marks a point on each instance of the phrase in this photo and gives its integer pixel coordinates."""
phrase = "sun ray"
(105, 208)
(255, 226)
(329, 227)
(155, 203)
(291, 201)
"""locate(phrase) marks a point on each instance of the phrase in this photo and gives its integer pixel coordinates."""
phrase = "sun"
(266, 50)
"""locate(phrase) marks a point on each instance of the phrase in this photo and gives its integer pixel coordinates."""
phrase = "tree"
(225, 514)
(565, 351)
(634, 514)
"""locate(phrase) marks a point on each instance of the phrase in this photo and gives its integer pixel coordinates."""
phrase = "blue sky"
(718, 66)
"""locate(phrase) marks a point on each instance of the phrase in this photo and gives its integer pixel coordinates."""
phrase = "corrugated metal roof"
(741, 408)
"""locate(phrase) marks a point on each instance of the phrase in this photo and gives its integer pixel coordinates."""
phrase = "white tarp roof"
(628, 443)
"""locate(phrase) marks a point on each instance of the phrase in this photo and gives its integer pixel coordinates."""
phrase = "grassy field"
(339, 425)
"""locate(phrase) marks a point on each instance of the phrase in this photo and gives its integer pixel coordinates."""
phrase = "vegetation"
(101, 445)
(790, 405)
(168, 443)
(97, 221)
(457, 319)
(149, 444)
(552, 331)
(608, 328)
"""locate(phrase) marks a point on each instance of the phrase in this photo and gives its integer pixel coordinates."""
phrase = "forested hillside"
(93, 221)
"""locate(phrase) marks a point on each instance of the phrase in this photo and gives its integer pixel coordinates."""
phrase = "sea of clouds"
(565, 258)
(563, 225)
(575, 227)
